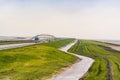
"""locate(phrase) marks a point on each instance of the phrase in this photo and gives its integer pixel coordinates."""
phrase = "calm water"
(111, 41)
(115, 42)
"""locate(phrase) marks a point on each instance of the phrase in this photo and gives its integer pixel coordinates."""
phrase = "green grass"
(37, 62)
(103, 60)
(59, 43)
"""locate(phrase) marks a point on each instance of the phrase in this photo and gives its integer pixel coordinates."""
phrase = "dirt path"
(78, 70)
(109, 71)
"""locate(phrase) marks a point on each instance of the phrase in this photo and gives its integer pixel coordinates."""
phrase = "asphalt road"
(9, 46)
(76, 71)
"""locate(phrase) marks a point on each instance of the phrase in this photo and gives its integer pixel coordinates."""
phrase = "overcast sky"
(86, 19)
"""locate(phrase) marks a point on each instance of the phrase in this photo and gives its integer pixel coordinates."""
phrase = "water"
(115, 42)
(111, 41)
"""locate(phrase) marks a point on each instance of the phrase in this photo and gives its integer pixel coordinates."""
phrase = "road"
(76, 71)
(9, 46)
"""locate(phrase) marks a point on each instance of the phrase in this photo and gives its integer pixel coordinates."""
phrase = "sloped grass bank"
(59, 43)
(37, 62)
(107, 62)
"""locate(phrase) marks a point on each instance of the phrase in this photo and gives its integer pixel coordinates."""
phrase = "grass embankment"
(59, 43)
(107, 61)
(36, 62)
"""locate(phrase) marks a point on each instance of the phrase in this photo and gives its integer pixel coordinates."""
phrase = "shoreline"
(115, 47)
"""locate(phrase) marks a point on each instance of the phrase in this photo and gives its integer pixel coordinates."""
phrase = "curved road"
(75, 72)
(78, 70)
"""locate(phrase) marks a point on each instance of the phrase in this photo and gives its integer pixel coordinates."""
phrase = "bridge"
(43, 38)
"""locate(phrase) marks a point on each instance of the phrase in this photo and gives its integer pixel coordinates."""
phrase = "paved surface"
(75, 72)
(78, 70)
(9, 46)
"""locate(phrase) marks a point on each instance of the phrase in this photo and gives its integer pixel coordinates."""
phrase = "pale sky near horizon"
(84, 19)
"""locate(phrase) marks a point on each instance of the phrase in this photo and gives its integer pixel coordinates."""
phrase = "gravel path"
(78, 70)
(9, 46)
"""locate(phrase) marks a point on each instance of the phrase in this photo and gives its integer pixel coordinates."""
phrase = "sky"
(83, 19)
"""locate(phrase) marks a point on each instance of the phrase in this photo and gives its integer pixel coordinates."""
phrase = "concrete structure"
(43, 38)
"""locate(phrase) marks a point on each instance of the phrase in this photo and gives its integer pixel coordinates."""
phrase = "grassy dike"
(36, 62)
(59, 43)
(107, 61)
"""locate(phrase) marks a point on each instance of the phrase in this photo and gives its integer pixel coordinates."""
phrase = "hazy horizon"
(83, 19)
